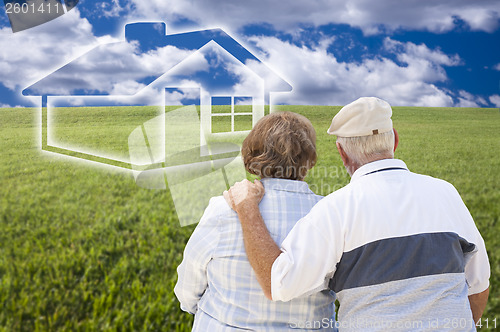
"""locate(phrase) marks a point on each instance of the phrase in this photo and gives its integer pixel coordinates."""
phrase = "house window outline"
(232, 113)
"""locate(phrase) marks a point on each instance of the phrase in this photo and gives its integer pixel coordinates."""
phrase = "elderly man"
(400, 249)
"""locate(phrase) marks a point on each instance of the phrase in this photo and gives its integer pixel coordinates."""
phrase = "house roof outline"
(175, 77)
(72, 80)
(73, 75)
(54, 84)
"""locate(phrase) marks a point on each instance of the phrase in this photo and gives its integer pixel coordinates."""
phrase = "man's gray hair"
(365, 149)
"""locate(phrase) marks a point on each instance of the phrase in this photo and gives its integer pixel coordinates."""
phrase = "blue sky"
(411, 53)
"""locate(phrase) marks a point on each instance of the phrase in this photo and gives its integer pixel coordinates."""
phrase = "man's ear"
(396, 139)
(342, 153)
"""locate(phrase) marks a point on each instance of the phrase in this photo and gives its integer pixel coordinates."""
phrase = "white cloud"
(114, 68)
(113, 9)
(497, 67)
(174, 98)
(413, 51)
(369, 15)
(495, 100)
(318, 77)
(127, 87)
(28, 55)
(467, 99)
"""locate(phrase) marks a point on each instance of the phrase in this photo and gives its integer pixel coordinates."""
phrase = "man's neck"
(353, 168)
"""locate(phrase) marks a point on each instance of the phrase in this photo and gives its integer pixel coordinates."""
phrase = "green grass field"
(82, 248)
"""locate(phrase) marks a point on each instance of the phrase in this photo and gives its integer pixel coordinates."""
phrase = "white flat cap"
(363, 117)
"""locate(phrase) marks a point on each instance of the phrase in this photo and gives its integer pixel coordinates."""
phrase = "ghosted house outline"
(149, 36)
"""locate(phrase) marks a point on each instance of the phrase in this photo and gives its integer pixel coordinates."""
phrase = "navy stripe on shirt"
(401, 258)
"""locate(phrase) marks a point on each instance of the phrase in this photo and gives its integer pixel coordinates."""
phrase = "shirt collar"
(286, 185)
(376, 166)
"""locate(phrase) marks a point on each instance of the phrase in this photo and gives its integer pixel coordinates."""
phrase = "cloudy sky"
(411, 52)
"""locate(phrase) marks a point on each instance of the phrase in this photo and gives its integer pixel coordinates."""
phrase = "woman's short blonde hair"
(281, 145)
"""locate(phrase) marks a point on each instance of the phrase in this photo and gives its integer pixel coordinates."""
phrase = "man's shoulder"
(433, 181)
(333, 200)
(353, 188)
(342, 192)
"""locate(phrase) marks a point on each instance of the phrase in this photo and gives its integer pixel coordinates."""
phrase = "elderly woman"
(216, 281)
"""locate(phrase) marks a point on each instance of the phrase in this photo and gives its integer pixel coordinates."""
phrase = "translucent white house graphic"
(201, 89)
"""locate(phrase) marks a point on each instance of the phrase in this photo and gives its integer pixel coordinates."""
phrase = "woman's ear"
(396, 139)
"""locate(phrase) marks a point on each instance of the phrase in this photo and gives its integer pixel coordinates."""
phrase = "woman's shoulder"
(217, 208)
(219, 203)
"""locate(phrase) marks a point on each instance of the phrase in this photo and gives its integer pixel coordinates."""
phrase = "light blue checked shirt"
(217, 283)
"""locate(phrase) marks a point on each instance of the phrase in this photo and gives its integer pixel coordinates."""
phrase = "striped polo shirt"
(400, 249)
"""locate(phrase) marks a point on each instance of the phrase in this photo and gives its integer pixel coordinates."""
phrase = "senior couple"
(399, 250)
